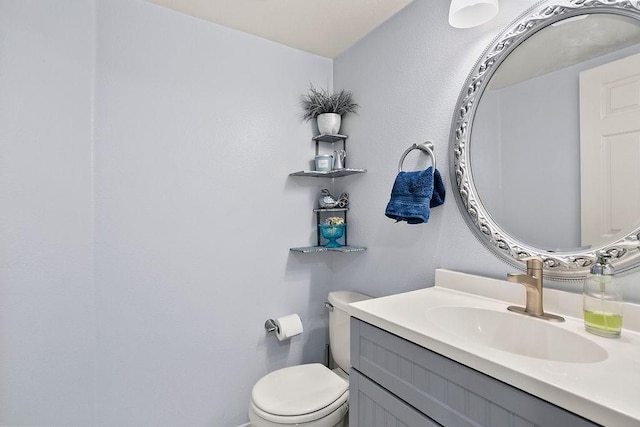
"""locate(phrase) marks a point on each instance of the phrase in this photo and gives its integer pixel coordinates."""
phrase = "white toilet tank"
(339, 329)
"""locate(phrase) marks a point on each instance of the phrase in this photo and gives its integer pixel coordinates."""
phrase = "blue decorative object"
(332, 233)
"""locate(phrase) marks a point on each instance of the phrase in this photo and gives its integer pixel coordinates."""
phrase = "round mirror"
(546, 139)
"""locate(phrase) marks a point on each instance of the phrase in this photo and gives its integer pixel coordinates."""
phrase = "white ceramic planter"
(329, 123)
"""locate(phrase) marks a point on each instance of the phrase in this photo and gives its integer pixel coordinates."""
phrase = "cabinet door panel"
(372, 406)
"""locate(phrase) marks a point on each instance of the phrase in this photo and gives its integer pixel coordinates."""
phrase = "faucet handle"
(533, 263)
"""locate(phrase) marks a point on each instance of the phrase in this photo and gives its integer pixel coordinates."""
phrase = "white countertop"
(606, 392)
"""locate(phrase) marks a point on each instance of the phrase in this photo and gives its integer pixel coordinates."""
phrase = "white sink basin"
(516, 333)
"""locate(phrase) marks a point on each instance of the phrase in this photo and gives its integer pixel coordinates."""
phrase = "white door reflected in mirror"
(610, 150)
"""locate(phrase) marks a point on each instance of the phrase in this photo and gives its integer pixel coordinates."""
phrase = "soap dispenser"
(602, 300)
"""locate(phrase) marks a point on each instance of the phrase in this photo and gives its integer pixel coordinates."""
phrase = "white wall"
(196, 129)
(46, 290)
(407, 76)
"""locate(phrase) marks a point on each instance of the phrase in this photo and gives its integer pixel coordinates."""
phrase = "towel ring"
(426, 147)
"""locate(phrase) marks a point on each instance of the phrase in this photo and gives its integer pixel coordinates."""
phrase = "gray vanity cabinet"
(394, 382)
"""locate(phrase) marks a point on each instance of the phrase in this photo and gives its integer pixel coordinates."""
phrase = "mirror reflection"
(555, 144)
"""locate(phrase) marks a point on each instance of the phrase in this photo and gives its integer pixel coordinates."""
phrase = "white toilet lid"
(298, 390)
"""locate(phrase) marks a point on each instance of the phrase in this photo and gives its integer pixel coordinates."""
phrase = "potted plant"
(327, 108)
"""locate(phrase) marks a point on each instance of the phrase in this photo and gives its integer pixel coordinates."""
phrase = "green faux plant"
(320, 101)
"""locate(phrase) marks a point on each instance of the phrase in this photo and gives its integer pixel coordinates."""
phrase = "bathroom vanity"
(453, 355)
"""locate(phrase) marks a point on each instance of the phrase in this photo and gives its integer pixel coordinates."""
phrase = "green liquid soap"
(605, 324)
(602, 301)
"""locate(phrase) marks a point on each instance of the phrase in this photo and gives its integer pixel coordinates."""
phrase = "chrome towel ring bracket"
(426, 147)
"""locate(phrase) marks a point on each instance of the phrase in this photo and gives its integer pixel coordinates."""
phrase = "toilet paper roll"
(288, 326)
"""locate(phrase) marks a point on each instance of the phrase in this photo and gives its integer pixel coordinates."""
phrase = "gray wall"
(46, 290)
(196, 129)
(538, 141)
(407, 75)
(148, 214)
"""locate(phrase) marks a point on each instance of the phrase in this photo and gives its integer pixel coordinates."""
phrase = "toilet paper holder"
(284, 327)
(271, 326)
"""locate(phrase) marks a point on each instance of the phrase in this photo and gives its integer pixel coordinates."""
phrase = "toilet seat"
(299, 394)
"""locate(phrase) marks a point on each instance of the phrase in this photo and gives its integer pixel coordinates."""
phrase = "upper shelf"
(335, 173)
(330, 138)
(329, 174)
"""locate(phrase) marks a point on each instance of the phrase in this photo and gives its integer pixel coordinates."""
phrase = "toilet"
(310, 395)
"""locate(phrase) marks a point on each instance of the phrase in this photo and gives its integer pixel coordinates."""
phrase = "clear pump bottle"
(602, 300)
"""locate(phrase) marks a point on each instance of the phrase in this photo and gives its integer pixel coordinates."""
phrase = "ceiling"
(322, 27)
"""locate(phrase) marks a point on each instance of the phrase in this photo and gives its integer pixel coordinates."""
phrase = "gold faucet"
(532, 282)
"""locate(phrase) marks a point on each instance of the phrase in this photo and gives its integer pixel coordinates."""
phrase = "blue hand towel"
(437, 198)
(413, 194)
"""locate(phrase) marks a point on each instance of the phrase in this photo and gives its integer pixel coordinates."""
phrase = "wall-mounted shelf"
(336, 173)
(329, 174)
(330, 138)
(315, 249)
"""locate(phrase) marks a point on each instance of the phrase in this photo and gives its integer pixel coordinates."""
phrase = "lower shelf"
(314, 249)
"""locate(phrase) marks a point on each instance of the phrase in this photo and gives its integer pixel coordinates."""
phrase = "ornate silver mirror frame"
(558, 265)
